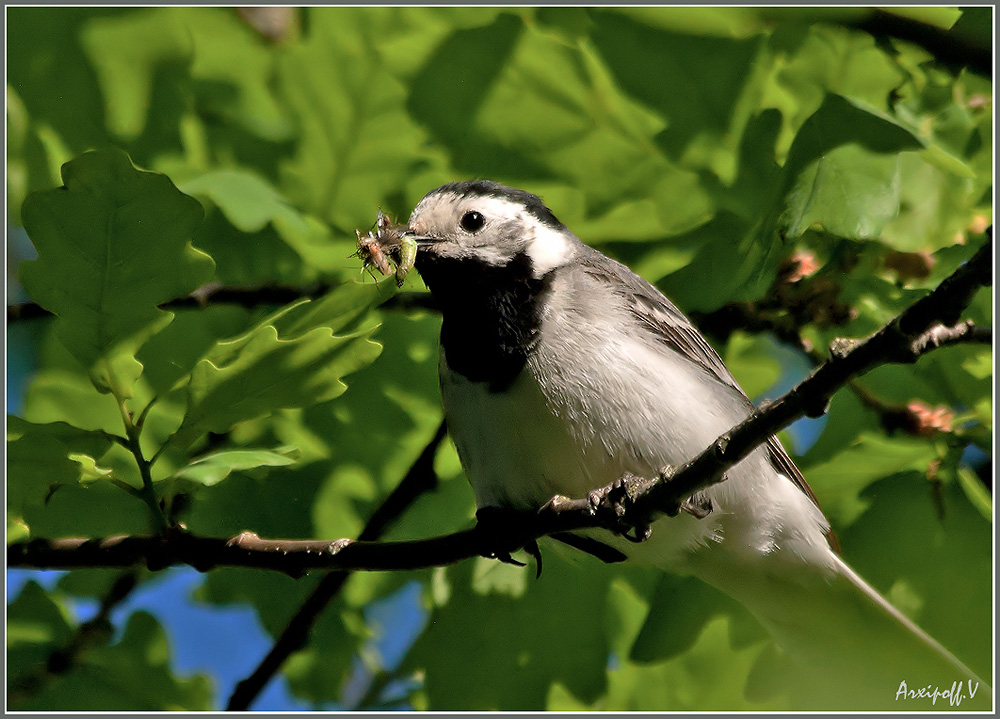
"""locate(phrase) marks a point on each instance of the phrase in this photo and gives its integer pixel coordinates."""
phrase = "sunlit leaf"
(293, 359)
(97, 240)
(842, 171)
(213, 468)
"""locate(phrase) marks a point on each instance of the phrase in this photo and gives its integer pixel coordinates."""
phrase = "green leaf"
(974, 26)
(517, 658)
(50, 74)
(97, 509)
(356, 143)
(712, 675)
(269, 373)
(945, 565)
(273, 595)
(233, 67)
(732, 262)
(679, 610)
(839, 481)
(249, 202)
(37, 625)
(126, 51)
(935, 207)
(36, 618)
(842, 171)
(98, 238)
(60, 396)
(43, 456)
(725, 22)
(258, 258)
(977, 493)
(828, 192)
(751, 360)
(169, 355)
(89, 469)
(213, 468)
(699, 78)
(291, 359)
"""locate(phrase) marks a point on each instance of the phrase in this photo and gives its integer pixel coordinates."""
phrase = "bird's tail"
(847, 646)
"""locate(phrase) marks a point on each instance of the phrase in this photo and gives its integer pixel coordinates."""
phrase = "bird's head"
(485, 223)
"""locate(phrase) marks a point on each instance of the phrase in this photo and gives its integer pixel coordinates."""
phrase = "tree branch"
(214, 293)
(929, 323)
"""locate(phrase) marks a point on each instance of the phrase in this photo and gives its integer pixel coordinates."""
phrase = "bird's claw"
(697, 505)
(506, 531)
(620, 498)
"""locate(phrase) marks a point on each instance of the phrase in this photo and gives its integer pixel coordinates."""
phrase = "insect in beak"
(386, 244)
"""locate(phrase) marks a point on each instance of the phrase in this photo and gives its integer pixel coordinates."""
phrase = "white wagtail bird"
(562, 370)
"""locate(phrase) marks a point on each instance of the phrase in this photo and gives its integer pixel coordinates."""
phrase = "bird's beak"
(422, 240)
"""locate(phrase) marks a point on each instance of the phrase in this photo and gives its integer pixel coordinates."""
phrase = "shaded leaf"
(133, 674)
(839, 482)
(944, 565)
(43, 456)
(351, 119)
(517, 658)
(142, 41)
(98, 509)
(752, 362)
(248, 201)
(679, 610)
(35, 618)
(250, 204)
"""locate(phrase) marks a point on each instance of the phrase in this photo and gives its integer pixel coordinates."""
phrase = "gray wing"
(658, 315)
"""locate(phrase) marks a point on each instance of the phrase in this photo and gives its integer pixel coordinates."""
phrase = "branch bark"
(213, 293)
(929, 323)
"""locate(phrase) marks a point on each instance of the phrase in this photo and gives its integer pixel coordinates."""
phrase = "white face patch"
(548, 249)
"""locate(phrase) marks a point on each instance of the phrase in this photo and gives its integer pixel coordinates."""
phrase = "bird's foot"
(505, 531)
(698, 505)
(619, 499)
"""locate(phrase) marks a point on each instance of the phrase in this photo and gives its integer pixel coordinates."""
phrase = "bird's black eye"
(473, 221)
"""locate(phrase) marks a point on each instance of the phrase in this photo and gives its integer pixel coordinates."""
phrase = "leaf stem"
(147, 493)
(122, 484)
(158, 453)
(142, 415)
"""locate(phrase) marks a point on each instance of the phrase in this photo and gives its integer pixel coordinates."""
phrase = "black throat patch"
(491, 315)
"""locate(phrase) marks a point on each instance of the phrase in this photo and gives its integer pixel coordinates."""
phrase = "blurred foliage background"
(786, 175)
